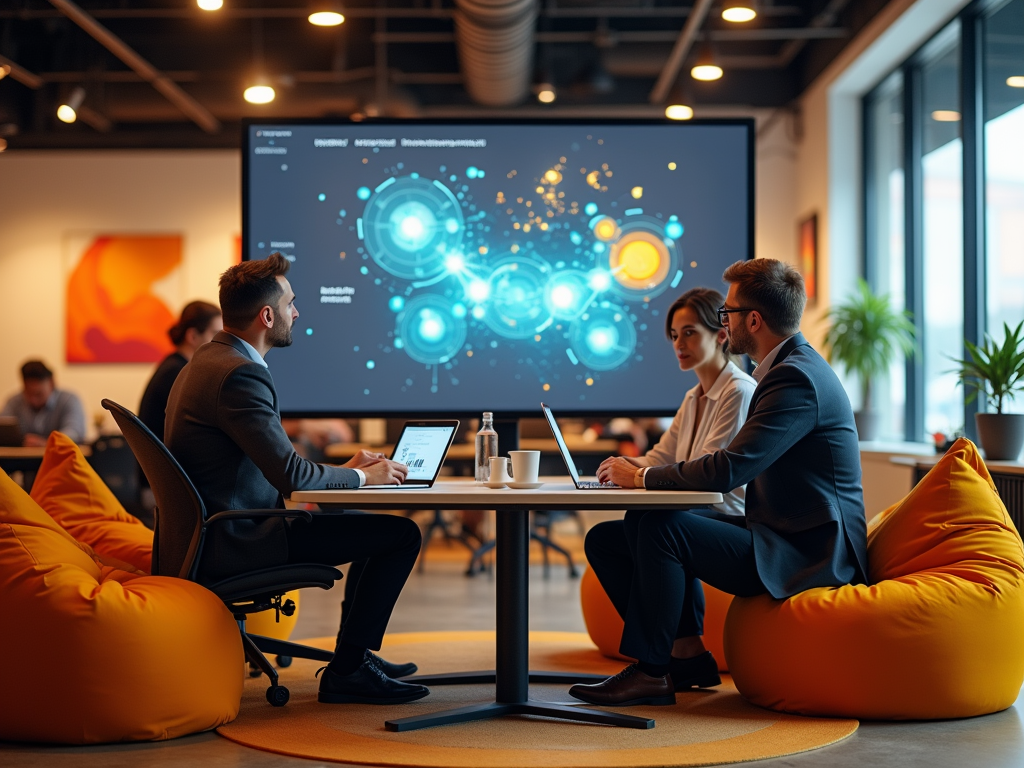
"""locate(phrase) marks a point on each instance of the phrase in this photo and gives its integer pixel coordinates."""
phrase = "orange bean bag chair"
(96, 654)
(938, 633)
(605, 627)
(71, 492)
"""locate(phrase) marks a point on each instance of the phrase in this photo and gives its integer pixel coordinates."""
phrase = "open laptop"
(10, 431)
(588, 485)
(422, 447)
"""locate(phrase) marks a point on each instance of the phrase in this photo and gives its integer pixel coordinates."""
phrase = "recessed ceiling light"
(546, 93)
(326, 18)
(5, 70)
(739, 12)
(946, 116)
(678, 112)
(706, 72)
(210, 5)
(68, 111)
(259, 94)
(1015, 81)
(3, 144)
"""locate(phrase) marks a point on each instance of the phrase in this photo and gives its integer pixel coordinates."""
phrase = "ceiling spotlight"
(1015, 81)
(678, 112)
(259, 94)
(946, 116)
(3, 144)
(546, 93)
(5, 70)
(738, 11)
(706, 67)
(210, 5)
(68, 111)
(326, 18)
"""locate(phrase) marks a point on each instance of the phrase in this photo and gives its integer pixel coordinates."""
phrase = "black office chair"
(181, 526)
(114, 462)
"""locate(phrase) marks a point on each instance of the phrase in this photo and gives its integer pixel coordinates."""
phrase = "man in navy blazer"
(224, 427)
(804, 526)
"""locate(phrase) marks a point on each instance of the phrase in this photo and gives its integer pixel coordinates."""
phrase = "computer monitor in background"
(452, 268)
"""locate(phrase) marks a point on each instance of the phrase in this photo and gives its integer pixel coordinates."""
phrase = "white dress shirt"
(725, 410)
(765, 365)
(258, 358)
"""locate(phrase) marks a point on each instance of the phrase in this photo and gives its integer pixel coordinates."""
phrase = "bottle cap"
(488, 415)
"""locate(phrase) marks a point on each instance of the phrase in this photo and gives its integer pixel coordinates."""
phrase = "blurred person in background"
(41, 408)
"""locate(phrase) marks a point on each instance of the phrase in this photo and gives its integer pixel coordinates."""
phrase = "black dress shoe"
(696, 672)
(626, 689)
(391, 669)
(367, 685)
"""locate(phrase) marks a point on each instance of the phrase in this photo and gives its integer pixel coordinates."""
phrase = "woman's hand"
(618, 470)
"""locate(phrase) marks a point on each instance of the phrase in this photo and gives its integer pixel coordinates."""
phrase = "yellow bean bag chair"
(97, 654)
(939, 633)
(605, 626)
(71, 492)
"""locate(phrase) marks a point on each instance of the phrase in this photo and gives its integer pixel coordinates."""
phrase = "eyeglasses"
(723, 313)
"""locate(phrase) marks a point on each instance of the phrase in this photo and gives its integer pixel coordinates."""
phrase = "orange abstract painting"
(114, 313)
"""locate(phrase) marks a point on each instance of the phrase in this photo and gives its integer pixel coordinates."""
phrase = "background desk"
(14, 458)
(511, 674)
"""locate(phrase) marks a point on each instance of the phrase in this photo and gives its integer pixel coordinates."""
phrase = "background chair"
(181, 526)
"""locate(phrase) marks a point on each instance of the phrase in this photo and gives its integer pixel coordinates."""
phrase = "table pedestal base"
(529, 707)
(487, 677)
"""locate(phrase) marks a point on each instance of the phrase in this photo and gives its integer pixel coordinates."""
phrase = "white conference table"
(511, 674)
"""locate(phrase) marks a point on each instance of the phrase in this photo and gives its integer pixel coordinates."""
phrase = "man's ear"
(267, 316)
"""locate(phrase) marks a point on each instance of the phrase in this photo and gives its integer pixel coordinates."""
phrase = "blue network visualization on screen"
(458, 268)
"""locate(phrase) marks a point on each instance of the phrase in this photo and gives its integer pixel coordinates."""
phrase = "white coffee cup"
(499, 469)
(525, 466)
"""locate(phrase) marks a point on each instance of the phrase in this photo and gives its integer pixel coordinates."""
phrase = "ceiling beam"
(680, 51)
(826, 18)
(189, 106)
(21, 74)
(633, 35)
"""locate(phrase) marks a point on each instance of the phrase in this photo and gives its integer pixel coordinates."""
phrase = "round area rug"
(703, 728)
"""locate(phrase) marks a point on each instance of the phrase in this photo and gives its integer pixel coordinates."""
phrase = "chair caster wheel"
(277, 695)
(255, 671)
(284, 661)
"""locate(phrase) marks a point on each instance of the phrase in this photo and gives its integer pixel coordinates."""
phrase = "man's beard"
(740, 341)
(280, 335)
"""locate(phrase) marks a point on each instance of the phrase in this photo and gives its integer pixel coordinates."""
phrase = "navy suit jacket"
(797, 453)
(223, 426)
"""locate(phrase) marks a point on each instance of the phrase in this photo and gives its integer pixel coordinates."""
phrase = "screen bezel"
(437, 424)
(398, 411)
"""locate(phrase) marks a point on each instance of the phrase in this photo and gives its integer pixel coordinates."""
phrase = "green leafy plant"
(994, 370)
(865, 336)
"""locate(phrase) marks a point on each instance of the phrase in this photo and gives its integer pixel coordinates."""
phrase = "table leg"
(512, 674)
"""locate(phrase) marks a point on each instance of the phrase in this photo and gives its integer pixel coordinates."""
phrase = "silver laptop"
(587, 485)
(422, 447)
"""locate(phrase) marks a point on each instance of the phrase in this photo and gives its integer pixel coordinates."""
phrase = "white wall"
(48, 194)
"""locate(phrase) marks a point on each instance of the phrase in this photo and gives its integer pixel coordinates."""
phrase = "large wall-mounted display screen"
(461, 267)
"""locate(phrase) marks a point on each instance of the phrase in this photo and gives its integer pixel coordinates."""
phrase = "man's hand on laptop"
(618, 470)
(364, 458)
(384, 472)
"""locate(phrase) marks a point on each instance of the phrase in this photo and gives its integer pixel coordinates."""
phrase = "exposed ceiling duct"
(495, 40)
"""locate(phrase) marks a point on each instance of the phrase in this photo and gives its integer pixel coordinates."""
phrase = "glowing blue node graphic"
(410, 225)
(590, 209)
(567, 294)
(674, 230)
(395, 303)
(599, 280)
(363, 193)
(603, 338)
(516, 308)
(478, 291)
(321, 197)
(429, 330)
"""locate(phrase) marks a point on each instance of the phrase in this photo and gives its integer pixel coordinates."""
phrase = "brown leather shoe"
(626, 689)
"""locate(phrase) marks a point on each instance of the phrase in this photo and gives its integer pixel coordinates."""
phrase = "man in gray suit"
(224, 426)
(804, 526)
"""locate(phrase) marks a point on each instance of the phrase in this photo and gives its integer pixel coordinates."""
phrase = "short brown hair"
(35, 370)
(705, 303)
(248, 287)
(196, 314)
(774, 289)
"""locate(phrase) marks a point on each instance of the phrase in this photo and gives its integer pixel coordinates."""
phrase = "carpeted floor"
(703, 728)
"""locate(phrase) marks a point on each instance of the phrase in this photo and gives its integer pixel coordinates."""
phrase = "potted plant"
(997, 373)
(864, 337)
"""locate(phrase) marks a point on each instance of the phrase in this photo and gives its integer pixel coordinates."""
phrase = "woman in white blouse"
(714, 410)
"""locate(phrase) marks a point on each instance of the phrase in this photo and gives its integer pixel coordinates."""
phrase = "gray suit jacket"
(798, 455)
(223, 425)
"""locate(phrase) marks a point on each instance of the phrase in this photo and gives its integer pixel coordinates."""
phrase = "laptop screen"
(569, 463)
(422, 448)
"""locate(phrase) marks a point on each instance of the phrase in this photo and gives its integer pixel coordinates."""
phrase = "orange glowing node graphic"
(639, 260)
(606, 229)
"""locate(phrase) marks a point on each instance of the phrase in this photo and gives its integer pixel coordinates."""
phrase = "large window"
(944, 205)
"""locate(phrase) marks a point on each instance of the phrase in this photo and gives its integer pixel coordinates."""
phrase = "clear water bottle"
(486, 446)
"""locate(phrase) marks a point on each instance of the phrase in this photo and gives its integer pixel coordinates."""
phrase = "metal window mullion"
(913, 233)
(870, 255)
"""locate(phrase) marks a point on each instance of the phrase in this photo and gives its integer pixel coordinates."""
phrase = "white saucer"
(495, 485)
(525, 486)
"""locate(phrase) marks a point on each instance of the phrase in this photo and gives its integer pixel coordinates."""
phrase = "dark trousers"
(651, 564)
(382, 549)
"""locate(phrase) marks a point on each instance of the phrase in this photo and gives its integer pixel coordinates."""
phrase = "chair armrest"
(242, 514)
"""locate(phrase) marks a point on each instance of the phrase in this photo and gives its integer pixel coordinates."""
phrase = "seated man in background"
(41, 408)
(200, 321)
(224, 427)
(797, 453)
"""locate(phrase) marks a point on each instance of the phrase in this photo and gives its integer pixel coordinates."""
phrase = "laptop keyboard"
(594, 485)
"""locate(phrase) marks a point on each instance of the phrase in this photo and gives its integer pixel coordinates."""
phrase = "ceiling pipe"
(679, 52)
(495, 40)
(22, 75)
(189, 106)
